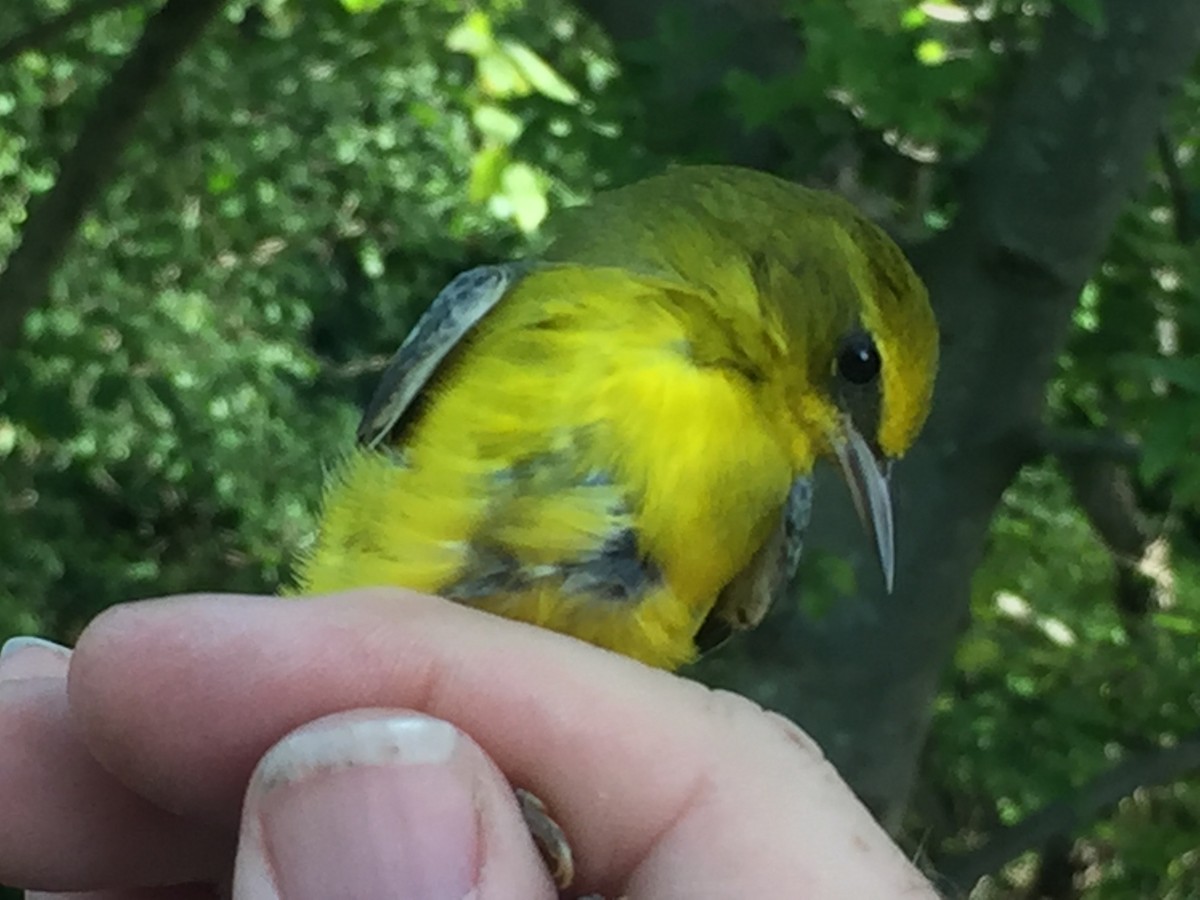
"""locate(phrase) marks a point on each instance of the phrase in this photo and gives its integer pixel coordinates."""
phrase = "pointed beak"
(867, 478)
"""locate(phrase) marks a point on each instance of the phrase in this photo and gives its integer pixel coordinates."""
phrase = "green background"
(185, 339)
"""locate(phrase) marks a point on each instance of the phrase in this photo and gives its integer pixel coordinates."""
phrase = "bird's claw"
(549, 838)
(551, 842)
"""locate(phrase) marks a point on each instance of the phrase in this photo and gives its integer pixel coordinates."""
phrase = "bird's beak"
(867, 478)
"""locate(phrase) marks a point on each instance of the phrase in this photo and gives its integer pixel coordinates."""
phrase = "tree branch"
(1097, 464)
(87, 167)
(51, 29)
(1070, 144)
(1084, 443)
(1104, 490)
(1063, 817)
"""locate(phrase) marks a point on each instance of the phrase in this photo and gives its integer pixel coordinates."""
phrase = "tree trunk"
(86, 170)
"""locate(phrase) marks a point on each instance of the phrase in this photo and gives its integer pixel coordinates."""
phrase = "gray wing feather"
(796, 515)
(454, 312)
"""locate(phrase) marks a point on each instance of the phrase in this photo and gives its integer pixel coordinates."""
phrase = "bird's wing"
(454, 312)
(745, 601)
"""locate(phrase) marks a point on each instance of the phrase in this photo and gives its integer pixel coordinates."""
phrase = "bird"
(616, 440)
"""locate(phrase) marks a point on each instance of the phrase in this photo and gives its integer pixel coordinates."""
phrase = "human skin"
(125, 763)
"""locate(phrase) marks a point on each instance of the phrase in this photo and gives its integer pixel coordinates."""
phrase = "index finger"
(665, 787)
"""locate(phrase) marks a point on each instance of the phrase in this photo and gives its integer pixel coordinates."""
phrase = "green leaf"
(523, 189)
(913, 18)
(497, 124)
(539, 73)
(221, 181)
(362, 6)
(371, 260)
(500, 77)
(1177, 623)
(931, 52)
(1168, 441)
(976, 653)
(486, 170)
(472, 36)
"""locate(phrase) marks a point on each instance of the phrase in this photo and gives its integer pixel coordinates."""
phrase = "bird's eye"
(858, 359)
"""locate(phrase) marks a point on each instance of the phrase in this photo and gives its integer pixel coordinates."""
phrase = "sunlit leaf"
(931, 52)
(487, 167)
(524, 190)
(500, 77)
(472, 36)
(362, 6)
(497, 124)
(539, 74)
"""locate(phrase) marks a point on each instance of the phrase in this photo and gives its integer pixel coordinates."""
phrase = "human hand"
(362, 746)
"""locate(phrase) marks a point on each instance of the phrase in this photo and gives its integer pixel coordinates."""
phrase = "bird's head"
(858, 343)
(822, 307)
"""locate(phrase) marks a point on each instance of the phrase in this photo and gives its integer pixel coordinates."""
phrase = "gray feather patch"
(454, 312)
(489, 571)
(616, 573)
(796, 515)
(615, 570)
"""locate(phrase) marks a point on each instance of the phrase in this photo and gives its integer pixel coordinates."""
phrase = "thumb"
(383, 803)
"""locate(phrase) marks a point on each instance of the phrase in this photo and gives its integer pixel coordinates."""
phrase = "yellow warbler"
(616, 441)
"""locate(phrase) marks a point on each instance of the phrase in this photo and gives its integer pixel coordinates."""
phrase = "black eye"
(858, 359)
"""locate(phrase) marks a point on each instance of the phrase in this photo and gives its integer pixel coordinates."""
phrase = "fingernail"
(30, 657)
(370, 807)
(24, 641)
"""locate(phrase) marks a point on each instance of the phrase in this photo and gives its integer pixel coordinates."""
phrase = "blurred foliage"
(1052, 687)
(315, 171)
(302, 191)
